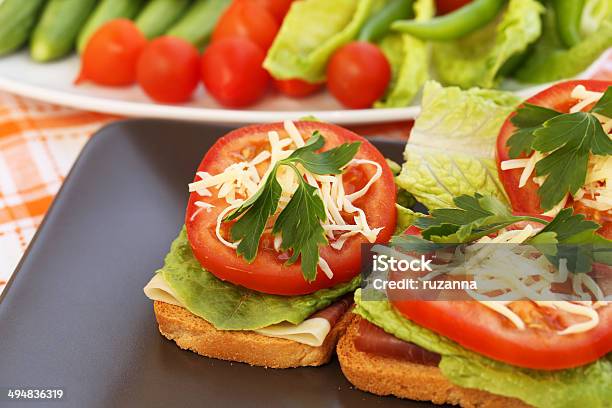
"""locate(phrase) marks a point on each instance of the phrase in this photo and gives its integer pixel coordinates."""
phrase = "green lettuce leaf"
(478, 58)
(230, 307)
(408, 57)
(551, 61)
(405, 218)
(311, 32)
(451, 148)
(587, 386)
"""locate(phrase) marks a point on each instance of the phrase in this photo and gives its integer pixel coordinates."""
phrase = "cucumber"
(159, 15)
(17, 18)
(105, 11)
(198, 23)
(56, 32)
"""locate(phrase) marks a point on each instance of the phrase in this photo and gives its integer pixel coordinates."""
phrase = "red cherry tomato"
(447, 6)
(358, 74)
(269, 272)
(296, 88)
(232, 71)
(111, 54)
(278, 8)
(247, 19)
(168, 69)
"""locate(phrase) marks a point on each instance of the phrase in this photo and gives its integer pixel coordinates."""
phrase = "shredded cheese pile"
(596, 192)
(240, 181)
(518, 275)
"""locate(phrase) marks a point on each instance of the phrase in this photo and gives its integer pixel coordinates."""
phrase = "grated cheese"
(522, 285)
(241, 180)
(516, 273)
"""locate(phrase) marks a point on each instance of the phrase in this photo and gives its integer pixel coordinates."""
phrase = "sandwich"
(537, 331)
(264, 268)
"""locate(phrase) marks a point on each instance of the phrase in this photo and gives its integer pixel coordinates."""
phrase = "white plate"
(52, 82)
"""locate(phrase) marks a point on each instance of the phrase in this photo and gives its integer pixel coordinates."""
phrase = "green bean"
(568, 14)
(454, 25)
(379, 24)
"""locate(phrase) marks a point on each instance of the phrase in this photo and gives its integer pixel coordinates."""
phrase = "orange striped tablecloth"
(39, 143)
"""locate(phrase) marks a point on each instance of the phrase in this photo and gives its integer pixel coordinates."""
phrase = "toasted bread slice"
(388, 376)
(191, 332)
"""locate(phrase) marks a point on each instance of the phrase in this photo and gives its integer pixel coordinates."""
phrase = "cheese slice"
(311, 332)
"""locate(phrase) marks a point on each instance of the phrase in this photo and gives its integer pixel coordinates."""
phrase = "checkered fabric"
(38, 145)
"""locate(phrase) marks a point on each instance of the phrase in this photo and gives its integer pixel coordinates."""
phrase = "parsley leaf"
(528, 119)
(329, 162)
(567, 226)
(569, 139)
(299, 224)
(568, 236)
(576, 242)
(474, 217)
(255, 213)
(604, 105)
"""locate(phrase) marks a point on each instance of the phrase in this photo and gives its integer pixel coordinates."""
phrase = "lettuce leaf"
(311, 32)
(405, 218)
(551, 61)
(586, 386)
(451, 148)
(408, 57)
(478, 58)
(230, 307)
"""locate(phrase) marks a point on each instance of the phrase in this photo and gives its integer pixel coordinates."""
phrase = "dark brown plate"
(74, 315)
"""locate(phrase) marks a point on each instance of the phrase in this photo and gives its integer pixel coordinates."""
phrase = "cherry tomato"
(268, 273)
(247, 19)
(526, 199)
(232, 71)
(168, 69)
(278, 8)
(111, 54)
(358, 74)
(486, 332)
(296, 88)
(447, 6)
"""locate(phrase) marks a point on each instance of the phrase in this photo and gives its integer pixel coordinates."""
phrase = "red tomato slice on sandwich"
(486, 332)
(526, 199)
(268, 273)
(480, 329)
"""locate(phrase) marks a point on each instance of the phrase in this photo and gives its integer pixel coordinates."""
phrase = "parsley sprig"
(567, 139)
(477, 216)
(299, 223)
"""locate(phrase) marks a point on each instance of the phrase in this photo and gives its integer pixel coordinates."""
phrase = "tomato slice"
(526, 199)
(486, 332)
(480, 329)
(268, 272)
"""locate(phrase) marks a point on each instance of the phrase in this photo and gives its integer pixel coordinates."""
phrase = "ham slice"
(335, 311)
(374, 340)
